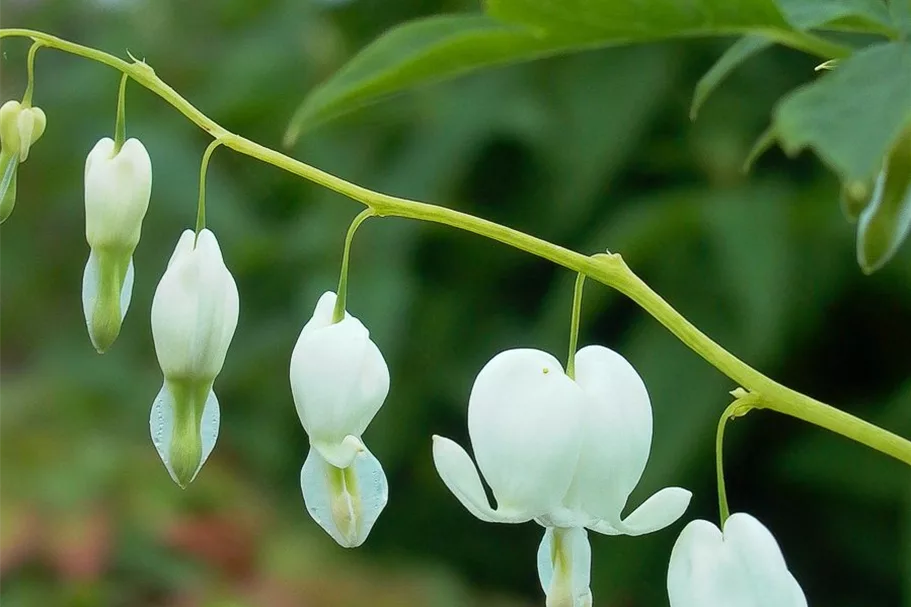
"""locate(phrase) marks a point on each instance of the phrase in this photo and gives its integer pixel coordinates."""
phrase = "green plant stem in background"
(201, 204)
(574, 326)
(120, 125)
(30, 67)
(342, 294)
(609, 269)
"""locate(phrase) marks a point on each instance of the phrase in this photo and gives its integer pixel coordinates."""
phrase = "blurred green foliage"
(591, 151)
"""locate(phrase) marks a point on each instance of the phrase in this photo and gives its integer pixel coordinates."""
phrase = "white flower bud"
(20, 127)
(339, 381)
(117, 190)
(194, 315)
(742, 567)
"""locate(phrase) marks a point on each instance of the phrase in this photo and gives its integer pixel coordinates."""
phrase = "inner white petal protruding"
(161, 427)
(345, 502)
(564, 567)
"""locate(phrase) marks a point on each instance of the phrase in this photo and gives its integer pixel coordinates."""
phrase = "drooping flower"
(742, 567)
(118, 185)
(339, 381)
(563, 452)
(20, 128)
(194, 314)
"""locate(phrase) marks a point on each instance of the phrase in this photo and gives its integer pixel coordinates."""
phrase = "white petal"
(161, 427)
(700, 572)
(344, 502)
(195, 310)
(618, 432)
(26, 125)
(766, 573)
(461, 477)
(657, 512)
(524, 418)
(564, 567)
(741, 568)
(339, 378)
(117, 191)
(340, 454)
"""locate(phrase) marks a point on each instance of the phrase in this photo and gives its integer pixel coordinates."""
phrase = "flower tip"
(185, 461)
(103, 336)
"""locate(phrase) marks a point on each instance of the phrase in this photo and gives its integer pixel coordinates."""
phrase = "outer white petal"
(655, 513)
(524, 418)
(339, 380)
(564, 567)
(759, 557)
(461, 477)
(117, 191)
(195, 309)
(741, 568)
(701, 573)
(617, 432)
(345, 503)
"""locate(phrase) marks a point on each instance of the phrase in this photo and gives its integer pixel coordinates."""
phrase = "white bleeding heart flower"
(563, 452)
(194, 315)
(741, 567)
(118, 185)
(339, 381)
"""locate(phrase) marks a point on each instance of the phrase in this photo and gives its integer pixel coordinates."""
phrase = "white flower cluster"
(562, 449)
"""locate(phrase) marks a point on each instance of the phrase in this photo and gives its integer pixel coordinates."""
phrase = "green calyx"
(185, 451)
(107, 314)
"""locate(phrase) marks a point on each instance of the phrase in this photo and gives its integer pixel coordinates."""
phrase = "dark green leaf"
(852, 115)
(634, 20)
(423, 51)
(736, 54)
(901, 14)
(849, 15)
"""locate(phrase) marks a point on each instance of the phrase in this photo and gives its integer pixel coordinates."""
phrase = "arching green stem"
(574, 326)
(740, 407)
(201, 204)
(120, 124)
(342, 294)
(30, 68)
(610, 270)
